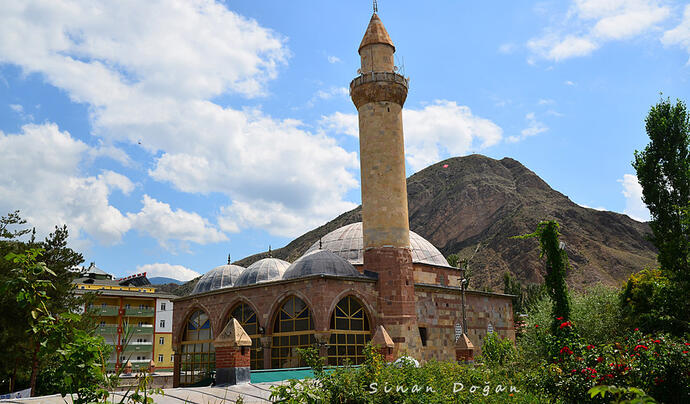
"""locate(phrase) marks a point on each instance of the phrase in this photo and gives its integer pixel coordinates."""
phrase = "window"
(198, 357)
(142, 307)
(247, 319)
(293, 328)
(161, 340)
(163, 306)
(350, 332)
(160, 358)
(127, 306)
(162, 324)
(102, 324)
(172, 358)
(141, 323)
(103, 305)
(422, 335)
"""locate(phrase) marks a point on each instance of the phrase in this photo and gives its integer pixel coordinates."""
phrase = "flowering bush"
(658, 364)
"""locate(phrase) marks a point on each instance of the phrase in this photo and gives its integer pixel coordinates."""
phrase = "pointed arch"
(350, 330)
(293, 327)
(198, 356)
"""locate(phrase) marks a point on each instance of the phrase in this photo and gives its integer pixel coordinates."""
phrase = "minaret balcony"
(379, 86)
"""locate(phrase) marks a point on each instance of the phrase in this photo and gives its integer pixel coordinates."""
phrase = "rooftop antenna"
(376, 7)
(229, 259)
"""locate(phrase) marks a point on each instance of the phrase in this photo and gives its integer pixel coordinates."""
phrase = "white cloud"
(17, 108)
(339, 122)
(546, 101)
(507, 48)
(632, 191)
(149, 72)
(333, 59)
(679, 35)
(159, 221)
(441, 128)
(534, 127)
(166, 270)
(589, 24)
(569, 83)
(41, 177)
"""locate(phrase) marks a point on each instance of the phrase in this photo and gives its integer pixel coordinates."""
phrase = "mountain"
(473, 205)
(161, 280)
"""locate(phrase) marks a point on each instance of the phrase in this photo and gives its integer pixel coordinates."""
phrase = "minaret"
(379, 94)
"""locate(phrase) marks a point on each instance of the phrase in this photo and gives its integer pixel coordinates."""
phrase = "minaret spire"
(376, 7)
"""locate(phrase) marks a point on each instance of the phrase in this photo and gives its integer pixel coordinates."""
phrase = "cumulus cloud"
(591, 23)
(41, 177)
(680, 35)
(164, 224)
(166, 270)
(442, 127)
(534, 127)
(333, 59)
(632, 191)
(150, 72)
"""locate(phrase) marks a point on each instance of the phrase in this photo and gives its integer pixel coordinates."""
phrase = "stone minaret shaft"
(379, 94)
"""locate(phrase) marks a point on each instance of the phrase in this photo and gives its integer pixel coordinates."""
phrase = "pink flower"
(637, 329)
(566, 324)
(590, 347)
(600, 359)
(657, 341)
(536, 326)
(559, 318)
(642, 347)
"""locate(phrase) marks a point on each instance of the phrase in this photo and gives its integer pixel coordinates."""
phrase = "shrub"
(497, 350)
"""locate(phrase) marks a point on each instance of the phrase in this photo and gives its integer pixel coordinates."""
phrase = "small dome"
(220, 277)
(348, 243)
(320, 262)
(267, 269)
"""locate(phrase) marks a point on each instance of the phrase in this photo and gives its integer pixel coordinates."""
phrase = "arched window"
(198, 354)
(350, 332)
(293, 328)
(247, 318)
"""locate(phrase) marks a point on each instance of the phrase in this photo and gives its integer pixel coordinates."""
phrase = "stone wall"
(439, 309)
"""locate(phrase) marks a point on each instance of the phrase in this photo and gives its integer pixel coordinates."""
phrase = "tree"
(663, 171)
(556, 266)
(16, 350)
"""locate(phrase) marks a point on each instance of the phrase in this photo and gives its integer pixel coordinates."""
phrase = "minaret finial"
(320, 244)
(270, 253)
(229, 261)
(376, 7)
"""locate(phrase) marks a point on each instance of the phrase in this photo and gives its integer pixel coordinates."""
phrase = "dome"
(220, 277)
(320, 262)
(347, 242)
(264, 270)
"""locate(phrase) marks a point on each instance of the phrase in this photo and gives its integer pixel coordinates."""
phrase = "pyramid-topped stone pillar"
(383, 343)
(232, 354)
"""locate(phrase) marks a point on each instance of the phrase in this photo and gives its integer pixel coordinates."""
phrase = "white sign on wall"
(458, 331)
(489, 329)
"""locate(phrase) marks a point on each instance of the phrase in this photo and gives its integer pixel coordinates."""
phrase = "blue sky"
(167, 134)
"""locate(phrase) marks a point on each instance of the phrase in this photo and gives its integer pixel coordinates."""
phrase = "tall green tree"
(556, 266)
(663, 171)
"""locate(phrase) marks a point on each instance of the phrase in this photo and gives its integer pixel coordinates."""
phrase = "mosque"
(370, 281)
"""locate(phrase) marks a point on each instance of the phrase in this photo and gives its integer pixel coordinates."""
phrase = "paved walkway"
(251, 393)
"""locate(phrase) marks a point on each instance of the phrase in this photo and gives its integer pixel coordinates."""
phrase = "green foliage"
(453, 260)
(434, 382)
(622, 395)
(663, 171)
(556, 265)
(497, 350)
(648, 302)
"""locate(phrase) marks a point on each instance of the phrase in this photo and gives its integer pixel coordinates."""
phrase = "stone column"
(177, 367)
(322, 340)
(266, 347)
(383, 343)
(233, 347)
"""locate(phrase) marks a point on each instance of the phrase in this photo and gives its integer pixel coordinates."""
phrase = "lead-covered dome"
(220, 277)
(348, 243)
(320, 262)
(264, 270)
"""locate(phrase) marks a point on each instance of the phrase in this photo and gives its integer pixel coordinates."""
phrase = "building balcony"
(138, 330)
(142, 348)
(149, 312)
(104, 310)
(107, 329)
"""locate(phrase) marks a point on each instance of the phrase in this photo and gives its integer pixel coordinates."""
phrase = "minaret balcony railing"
(370, 77)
